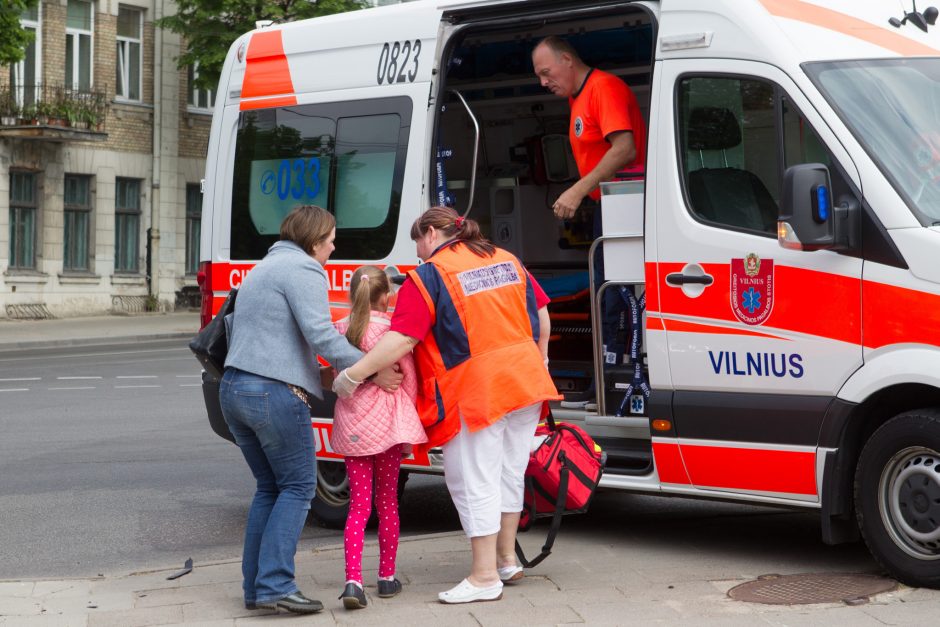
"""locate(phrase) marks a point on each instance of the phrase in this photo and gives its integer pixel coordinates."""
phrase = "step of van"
(627, 457)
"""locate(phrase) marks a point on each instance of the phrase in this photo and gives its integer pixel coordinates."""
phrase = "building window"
(25, 74)
(22, 220)
(77, 221)
(193, 227)
(202, 99)
(130, 26)
(126, 225)
(79, 26)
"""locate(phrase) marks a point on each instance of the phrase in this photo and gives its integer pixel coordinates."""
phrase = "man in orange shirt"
(607, 131)
(607, 134)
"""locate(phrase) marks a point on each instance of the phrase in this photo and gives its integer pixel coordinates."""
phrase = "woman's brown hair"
(367, 286)
(307, 226)
(451, 224)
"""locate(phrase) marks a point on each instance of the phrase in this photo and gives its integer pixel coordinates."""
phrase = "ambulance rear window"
(347, 157)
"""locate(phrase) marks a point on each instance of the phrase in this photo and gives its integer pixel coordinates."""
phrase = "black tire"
(897, 497)
(330, 506)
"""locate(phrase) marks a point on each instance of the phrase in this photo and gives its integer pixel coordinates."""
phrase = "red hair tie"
(458, 222)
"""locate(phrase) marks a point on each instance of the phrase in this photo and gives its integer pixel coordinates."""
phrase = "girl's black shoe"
(389, 588)
(354, 597)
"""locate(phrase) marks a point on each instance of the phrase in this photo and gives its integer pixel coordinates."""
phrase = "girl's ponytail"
(367, 286)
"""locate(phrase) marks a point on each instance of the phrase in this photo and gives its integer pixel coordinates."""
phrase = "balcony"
(52, 113)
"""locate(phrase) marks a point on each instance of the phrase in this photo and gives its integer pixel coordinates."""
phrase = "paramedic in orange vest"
(479, 327)
(606, 129)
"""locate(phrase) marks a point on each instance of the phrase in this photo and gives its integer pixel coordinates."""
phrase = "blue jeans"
(272, 428)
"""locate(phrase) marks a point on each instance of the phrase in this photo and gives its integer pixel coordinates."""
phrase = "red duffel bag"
(561, 478)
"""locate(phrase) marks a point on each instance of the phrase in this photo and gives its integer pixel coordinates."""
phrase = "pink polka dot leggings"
(384, 468)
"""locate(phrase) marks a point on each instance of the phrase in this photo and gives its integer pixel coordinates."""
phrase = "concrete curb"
(10, 347)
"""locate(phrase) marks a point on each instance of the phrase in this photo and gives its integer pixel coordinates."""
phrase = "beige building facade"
(102, 149)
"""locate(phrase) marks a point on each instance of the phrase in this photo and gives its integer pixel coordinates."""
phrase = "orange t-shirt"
(604, 105)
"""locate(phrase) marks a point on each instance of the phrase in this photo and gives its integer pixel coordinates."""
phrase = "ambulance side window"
(728, 151)
(347, 157)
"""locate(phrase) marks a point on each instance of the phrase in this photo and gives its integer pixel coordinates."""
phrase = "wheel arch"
(846, 428)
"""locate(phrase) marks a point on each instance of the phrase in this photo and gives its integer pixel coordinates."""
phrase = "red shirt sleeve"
(412, 316)
(541, 298)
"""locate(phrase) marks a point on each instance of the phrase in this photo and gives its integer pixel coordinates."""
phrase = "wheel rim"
(332, 484)
(909, 501)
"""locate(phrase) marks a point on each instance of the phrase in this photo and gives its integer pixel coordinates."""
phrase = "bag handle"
(556, 517)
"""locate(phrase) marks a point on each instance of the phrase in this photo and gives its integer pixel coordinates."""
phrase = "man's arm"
(622, 152)
(545, 330)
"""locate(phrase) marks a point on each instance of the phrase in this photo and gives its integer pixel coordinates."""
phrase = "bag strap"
(556, 517)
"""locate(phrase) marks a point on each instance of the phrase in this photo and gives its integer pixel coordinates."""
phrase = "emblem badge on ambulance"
(752, 288)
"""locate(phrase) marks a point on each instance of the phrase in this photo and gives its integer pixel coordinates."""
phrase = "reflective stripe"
(448, 329)
(532, 309)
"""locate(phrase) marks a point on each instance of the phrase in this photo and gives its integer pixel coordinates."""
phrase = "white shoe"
(466, 592)
(510, 574)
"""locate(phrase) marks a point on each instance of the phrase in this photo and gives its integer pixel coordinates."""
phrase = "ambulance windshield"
(892, 106)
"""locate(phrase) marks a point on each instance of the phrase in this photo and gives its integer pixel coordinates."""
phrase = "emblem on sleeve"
(578, 126)
(752, 288)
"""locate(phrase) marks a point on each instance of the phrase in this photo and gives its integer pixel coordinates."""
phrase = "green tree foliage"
(211, 26)
(13, 37)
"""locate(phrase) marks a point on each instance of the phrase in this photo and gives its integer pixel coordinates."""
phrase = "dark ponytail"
(453, 225)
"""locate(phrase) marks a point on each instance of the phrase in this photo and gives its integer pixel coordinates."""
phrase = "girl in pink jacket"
(373, 429)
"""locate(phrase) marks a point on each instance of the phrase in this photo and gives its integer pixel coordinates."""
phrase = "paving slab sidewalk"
(31, 334)
(608, 588)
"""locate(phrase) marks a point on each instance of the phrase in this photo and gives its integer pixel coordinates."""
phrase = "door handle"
(677, 278)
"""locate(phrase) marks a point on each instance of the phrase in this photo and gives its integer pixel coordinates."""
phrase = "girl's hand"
(389, 378)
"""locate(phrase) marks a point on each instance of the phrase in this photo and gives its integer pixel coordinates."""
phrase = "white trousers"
(485, 470)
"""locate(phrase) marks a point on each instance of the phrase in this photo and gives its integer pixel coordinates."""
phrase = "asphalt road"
(108, 465)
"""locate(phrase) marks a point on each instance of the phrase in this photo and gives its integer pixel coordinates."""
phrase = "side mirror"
(809, 219)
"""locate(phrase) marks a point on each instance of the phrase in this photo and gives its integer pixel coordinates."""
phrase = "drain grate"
(811, 588)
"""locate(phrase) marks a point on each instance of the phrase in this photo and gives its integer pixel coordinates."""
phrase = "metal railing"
(52, 105)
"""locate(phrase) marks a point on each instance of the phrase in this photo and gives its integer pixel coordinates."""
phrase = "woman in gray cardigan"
(281, 323)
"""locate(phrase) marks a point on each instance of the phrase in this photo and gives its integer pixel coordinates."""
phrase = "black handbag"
(210, 345)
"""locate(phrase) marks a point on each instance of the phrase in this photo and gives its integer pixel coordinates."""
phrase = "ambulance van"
(777, 263)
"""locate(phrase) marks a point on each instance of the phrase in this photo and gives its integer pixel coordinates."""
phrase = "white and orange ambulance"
(785, 235)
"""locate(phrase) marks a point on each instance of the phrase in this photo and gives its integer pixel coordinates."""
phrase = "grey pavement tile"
(514, 616)
(596, 613)
(806, 617)
(415, 615)
(916, 595)
(20, 606)
(211, 623)
(137, 618)
(286, 618)
(45, 620)
(16, 589)
(216, 609)
(65, 588)
(102, 599)
(216, 592)
(918, 613)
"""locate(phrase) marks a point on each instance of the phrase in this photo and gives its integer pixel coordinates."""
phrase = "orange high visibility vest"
(481, 359)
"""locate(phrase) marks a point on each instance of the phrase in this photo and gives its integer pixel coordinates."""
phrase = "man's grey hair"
(559, 46)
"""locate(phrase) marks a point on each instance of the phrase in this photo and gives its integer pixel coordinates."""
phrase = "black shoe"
(251, 605)
(295, 602)
(389, 588)
(354, 597)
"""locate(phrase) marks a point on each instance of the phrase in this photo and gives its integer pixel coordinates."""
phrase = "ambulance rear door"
(759, 338)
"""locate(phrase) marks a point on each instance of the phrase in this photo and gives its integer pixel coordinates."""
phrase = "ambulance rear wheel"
(897, 497)
(331, 503)
(330, 506)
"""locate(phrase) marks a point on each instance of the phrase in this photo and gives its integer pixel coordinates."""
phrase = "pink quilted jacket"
(372, 420)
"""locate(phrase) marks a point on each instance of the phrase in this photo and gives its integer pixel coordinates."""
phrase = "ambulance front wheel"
(897, 497)
(330, 506)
